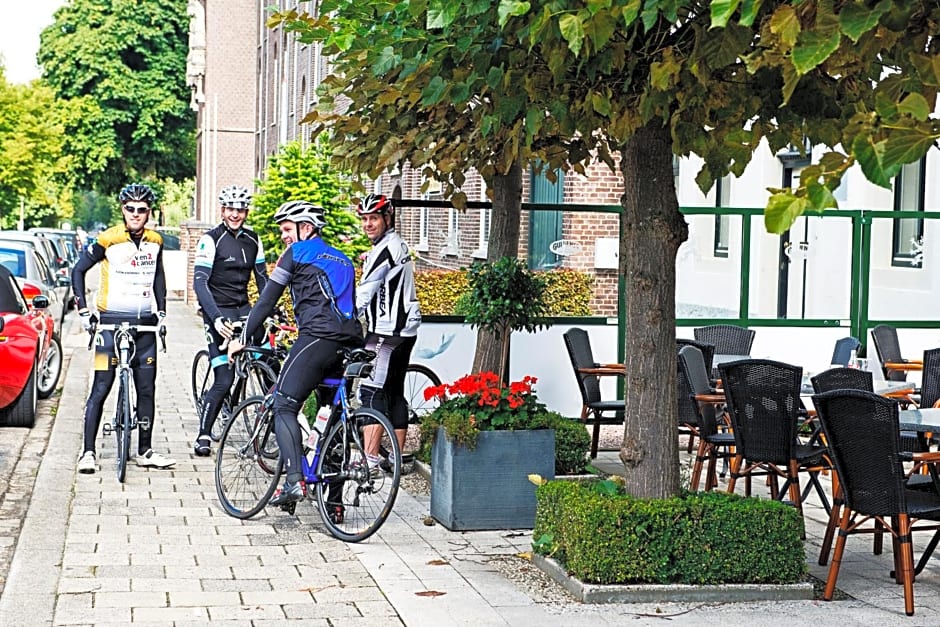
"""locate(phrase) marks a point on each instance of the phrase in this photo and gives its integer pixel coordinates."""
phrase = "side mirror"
(63, 281)
(40, 301)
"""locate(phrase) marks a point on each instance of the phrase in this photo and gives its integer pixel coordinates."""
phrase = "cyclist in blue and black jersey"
(322, 288)
(226, 257)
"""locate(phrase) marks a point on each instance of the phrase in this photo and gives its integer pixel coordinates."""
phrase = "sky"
(19, 36)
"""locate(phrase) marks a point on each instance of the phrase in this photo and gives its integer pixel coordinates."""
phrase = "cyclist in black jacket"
(322, 288)
(226, 257)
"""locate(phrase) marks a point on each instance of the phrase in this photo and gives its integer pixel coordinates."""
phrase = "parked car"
(30, 354)
(51, 252)
(69, 243)
(35, 277)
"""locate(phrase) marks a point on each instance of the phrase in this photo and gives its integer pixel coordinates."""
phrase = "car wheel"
(23, 412)
(49, 370)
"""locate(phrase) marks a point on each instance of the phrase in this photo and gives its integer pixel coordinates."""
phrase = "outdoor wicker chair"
(764, 404)
(888, 349)
(842, 351)
(727, 339)
(594, 410)
(687, 412)
(863, 433)
(713, 443)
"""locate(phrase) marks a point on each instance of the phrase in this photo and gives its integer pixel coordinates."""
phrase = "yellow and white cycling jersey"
(128, 271)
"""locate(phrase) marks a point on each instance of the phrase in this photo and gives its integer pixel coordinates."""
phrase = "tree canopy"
(118, 69)
(296, 173)
(457, 84)
(32, 164)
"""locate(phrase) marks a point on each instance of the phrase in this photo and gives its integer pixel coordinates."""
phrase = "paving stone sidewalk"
(158, 550)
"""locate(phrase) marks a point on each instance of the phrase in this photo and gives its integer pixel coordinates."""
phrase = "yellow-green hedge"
(568, 292)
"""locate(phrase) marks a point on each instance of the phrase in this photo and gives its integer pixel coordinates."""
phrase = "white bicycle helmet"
(300, 211)
(235, 197)
(376, 203)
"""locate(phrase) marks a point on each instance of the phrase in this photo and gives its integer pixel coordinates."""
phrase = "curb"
(676, 593)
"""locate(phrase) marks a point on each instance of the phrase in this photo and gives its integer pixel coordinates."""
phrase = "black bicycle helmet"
(376, 203)
(137, 192)
(235, 197)
(300, 211)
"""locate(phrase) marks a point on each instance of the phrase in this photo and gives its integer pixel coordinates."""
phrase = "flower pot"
(488, 487)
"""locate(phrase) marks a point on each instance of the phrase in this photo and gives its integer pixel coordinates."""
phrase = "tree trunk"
(503, 242)
(652, 231)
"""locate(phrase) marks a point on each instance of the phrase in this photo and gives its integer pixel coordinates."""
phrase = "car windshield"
(14, 261)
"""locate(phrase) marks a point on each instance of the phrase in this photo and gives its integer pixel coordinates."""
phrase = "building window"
(486, 216)
(722, 223)
(452, 244)
(908, 196)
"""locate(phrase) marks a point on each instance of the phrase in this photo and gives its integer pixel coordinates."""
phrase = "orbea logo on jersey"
(143, 260)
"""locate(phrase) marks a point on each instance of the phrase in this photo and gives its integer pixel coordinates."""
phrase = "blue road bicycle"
(353, 499)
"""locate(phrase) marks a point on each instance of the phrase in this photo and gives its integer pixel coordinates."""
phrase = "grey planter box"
(488, 487)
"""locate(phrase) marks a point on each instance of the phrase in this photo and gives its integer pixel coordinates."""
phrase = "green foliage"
(118, 69)
(572, 444)
(32, 164)
(603, 535)
(504, 296)
(567, 292)
(298, 174)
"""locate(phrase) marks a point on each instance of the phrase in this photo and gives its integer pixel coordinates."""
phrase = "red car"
(30, 357)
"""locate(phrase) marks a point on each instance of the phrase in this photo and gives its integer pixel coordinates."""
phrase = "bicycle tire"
(122, 426)
(244, 486)
(200, 379)
(418, 378)
(363, 498)
(258, 382)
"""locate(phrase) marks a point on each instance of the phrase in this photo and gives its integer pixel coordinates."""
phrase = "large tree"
(119, 68)
(646, 80)
(32, 165)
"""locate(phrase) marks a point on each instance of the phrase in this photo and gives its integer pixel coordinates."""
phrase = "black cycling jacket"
(224, 263)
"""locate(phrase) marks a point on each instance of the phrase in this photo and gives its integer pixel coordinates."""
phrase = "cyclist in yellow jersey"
(132, 289)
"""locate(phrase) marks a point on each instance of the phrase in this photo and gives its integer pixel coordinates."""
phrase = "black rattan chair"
(594, 410)
(713, 444)
(687, 412)
(888, 348)
(764, 404)
(842, 351)
(930, 379)
(727, 339)
(863, 434)
(843, 379)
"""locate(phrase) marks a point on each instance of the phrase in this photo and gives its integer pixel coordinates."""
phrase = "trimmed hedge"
(605, 536)
(567, 292)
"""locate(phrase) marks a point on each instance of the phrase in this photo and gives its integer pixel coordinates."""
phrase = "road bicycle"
(418, 378)
(255, 373)
(353, 499)
(125, 416)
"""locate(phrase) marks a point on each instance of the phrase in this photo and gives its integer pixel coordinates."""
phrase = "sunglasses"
(137, 210)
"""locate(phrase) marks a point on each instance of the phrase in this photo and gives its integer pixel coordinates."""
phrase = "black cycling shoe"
(290, 493)
(202, 446)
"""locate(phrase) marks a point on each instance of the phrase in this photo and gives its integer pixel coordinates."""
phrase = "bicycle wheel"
(354, 501)
(259, 380)
(201, 379)
(122, 425)
(418, 378)
(245, 484)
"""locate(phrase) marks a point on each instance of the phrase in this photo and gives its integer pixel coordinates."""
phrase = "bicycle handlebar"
(159, 329)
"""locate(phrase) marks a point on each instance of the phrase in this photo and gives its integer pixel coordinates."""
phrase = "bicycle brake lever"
(163, 337)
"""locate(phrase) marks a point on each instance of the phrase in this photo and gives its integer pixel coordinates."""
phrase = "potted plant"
(487, 438)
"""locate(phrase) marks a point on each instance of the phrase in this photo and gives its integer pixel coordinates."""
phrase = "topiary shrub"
(572, 443)
(605, 536)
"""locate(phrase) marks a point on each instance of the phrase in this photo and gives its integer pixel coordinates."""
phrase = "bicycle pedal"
(144, 424)
(290, 508)
(106, 429)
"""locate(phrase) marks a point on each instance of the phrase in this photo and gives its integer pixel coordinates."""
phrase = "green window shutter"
(545, 226)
